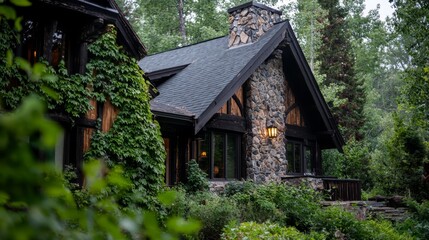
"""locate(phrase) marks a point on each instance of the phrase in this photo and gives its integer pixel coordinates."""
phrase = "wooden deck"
(342, 189)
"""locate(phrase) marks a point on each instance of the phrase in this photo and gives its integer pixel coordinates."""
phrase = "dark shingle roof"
(207, 74)
(212, 69)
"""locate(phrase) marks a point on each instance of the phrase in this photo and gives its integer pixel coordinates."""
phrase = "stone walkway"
(371, 209)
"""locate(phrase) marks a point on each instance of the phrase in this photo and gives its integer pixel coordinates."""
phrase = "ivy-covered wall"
(134, 141)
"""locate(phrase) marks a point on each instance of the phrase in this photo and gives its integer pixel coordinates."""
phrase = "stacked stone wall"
(248, 24)
(265, 105)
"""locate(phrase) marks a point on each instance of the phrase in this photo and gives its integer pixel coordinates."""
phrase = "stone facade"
(249, 23)
(311, 182)
(265, 105)
(217, 186)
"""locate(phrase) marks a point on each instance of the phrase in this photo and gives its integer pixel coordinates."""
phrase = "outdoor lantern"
(272, 131)
(203, 154)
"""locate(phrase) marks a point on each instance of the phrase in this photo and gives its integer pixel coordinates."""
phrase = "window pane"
(290, 157)
(297, 157)
(204, 154)
(231, 156)
(293, 154)
(308, 155)
(218, 147)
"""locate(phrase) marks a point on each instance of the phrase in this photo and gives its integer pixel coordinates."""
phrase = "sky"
(385, 7)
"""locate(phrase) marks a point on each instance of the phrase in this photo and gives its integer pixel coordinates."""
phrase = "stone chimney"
(250, 21)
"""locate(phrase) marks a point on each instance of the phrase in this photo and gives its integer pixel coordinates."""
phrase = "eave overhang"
(111, 14)
(240, 78)
(331, 127)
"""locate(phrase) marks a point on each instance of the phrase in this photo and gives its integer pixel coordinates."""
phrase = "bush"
(418, 223)
(286, 205)
(354, 163)
(214, 212)
(255, 231)
(399, 169)
(196, 178)
(36, 204)
(338, 223)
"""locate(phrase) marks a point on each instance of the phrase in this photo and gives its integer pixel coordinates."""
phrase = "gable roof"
(203, 76)
(109, 11)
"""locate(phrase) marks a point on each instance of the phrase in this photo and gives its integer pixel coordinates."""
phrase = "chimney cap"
(253, 3)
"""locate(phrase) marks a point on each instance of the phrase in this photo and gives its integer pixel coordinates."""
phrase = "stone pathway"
(370, 209)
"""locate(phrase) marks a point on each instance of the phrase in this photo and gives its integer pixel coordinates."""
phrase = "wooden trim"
(312, 86)
(227, 122)
(294, 105)
(299, 132)
(238, 102)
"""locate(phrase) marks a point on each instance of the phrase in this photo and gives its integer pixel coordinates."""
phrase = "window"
(300, 157)
(51, 39)
(219, 154)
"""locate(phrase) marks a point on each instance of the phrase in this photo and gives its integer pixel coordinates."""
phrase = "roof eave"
(239, 79)
(314, 90)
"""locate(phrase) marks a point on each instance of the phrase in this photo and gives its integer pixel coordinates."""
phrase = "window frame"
(211, 153)
(303, 145)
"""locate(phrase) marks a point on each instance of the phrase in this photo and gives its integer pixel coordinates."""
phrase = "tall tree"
(167, 24)
(182, 28)
(411, 21)
(337, 63)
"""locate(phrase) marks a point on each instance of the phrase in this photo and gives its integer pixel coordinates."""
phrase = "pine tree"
(337, 63)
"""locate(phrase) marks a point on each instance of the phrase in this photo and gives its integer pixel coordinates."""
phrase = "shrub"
(399, 169)
(214, 212)
(255, 231)
(286, 205)
(36, 204)
(338, 223)
(418, 223)
(196, 178)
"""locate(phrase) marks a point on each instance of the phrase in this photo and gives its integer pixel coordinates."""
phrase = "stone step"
(371, 208)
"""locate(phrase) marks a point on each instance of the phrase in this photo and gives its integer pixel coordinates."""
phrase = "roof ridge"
(189, 45)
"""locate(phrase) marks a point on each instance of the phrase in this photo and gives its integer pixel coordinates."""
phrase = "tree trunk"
(181, 20)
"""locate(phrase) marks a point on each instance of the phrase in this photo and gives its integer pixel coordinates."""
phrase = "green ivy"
(134, 141)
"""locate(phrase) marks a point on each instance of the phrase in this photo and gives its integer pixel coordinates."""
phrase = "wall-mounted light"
(272, 131)
(203, 154)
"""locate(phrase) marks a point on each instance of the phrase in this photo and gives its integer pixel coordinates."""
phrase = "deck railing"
(342, 189)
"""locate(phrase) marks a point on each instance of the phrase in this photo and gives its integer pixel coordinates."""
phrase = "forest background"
(372, 72)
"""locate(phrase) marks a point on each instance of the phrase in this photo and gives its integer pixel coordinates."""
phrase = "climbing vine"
(134, 141)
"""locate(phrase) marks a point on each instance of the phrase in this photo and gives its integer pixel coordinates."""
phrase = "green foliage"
(417, 224)
(338, 223)
(255, 231)
(35, 204)
(352, 164)
(196, 178)
(214, 212)
(415, 95)
(157, 22)
(291, 206)
(337, 63)
(134, 141)
(401, 170)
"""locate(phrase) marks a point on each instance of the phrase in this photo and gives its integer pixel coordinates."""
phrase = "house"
(62, 30)
(245, 106)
